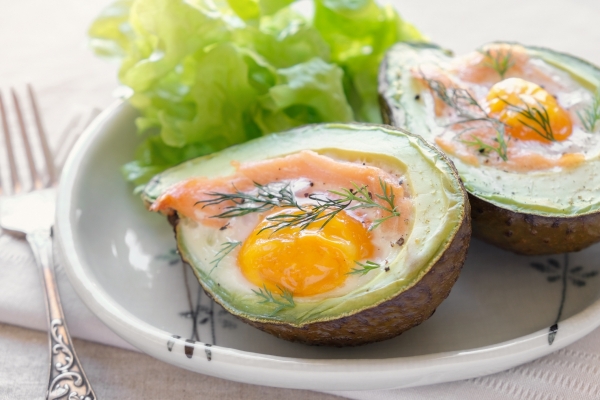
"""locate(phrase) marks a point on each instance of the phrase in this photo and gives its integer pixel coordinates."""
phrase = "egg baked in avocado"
(334, 234)
(521, 124)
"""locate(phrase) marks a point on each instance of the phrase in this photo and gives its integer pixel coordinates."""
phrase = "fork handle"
(67, 378)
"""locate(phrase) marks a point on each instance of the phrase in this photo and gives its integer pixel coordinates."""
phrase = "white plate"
(119, 257)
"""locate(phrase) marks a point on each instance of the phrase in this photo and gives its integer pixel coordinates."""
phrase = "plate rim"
(286, 372)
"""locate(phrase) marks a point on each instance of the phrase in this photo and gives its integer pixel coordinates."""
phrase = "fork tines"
(24, 149)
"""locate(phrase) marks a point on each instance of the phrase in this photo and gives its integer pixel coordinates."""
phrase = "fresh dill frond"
(285, 300)
(364, 268)
(484, 148)
(440, 90)
(459, 99)
(324, 209)
(535, 116)
(266, 198)
(469, 110)
(591, 115)
(226, 248)
(364, 199)
(500, 62)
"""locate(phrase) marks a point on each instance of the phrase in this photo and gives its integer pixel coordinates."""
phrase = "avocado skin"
(383, 321)
(531, 234)
(521, 233)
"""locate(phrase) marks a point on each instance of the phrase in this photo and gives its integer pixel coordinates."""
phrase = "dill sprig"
(364, 268)
(459, 99)
(325, 209)
(365, 199)
(485, 148)
(266, 198)
(591, 115)
(226, 248)
(536, 116)
(469, 110)
(500, 62)
(285, 300)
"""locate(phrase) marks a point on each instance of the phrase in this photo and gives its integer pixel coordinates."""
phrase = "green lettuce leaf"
(358, 33)
(110, 34)
(309, 92)
(206, 74)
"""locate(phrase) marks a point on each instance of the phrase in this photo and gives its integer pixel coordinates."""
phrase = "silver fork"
(28, 211)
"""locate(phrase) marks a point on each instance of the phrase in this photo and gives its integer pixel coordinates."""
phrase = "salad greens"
(208, 74)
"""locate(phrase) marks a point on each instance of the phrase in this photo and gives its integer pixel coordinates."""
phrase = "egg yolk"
(306, 261)
(529, 111)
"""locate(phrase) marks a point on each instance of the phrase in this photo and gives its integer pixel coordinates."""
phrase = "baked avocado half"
(520, 124)
(333, 234)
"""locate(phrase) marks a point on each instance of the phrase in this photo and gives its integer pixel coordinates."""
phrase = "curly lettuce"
(208, 74)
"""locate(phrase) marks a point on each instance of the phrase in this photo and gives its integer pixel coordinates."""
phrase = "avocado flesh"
(551, 193)
(440, 210)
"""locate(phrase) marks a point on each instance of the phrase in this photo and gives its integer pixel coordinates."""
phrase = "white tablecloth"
(43, 43)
